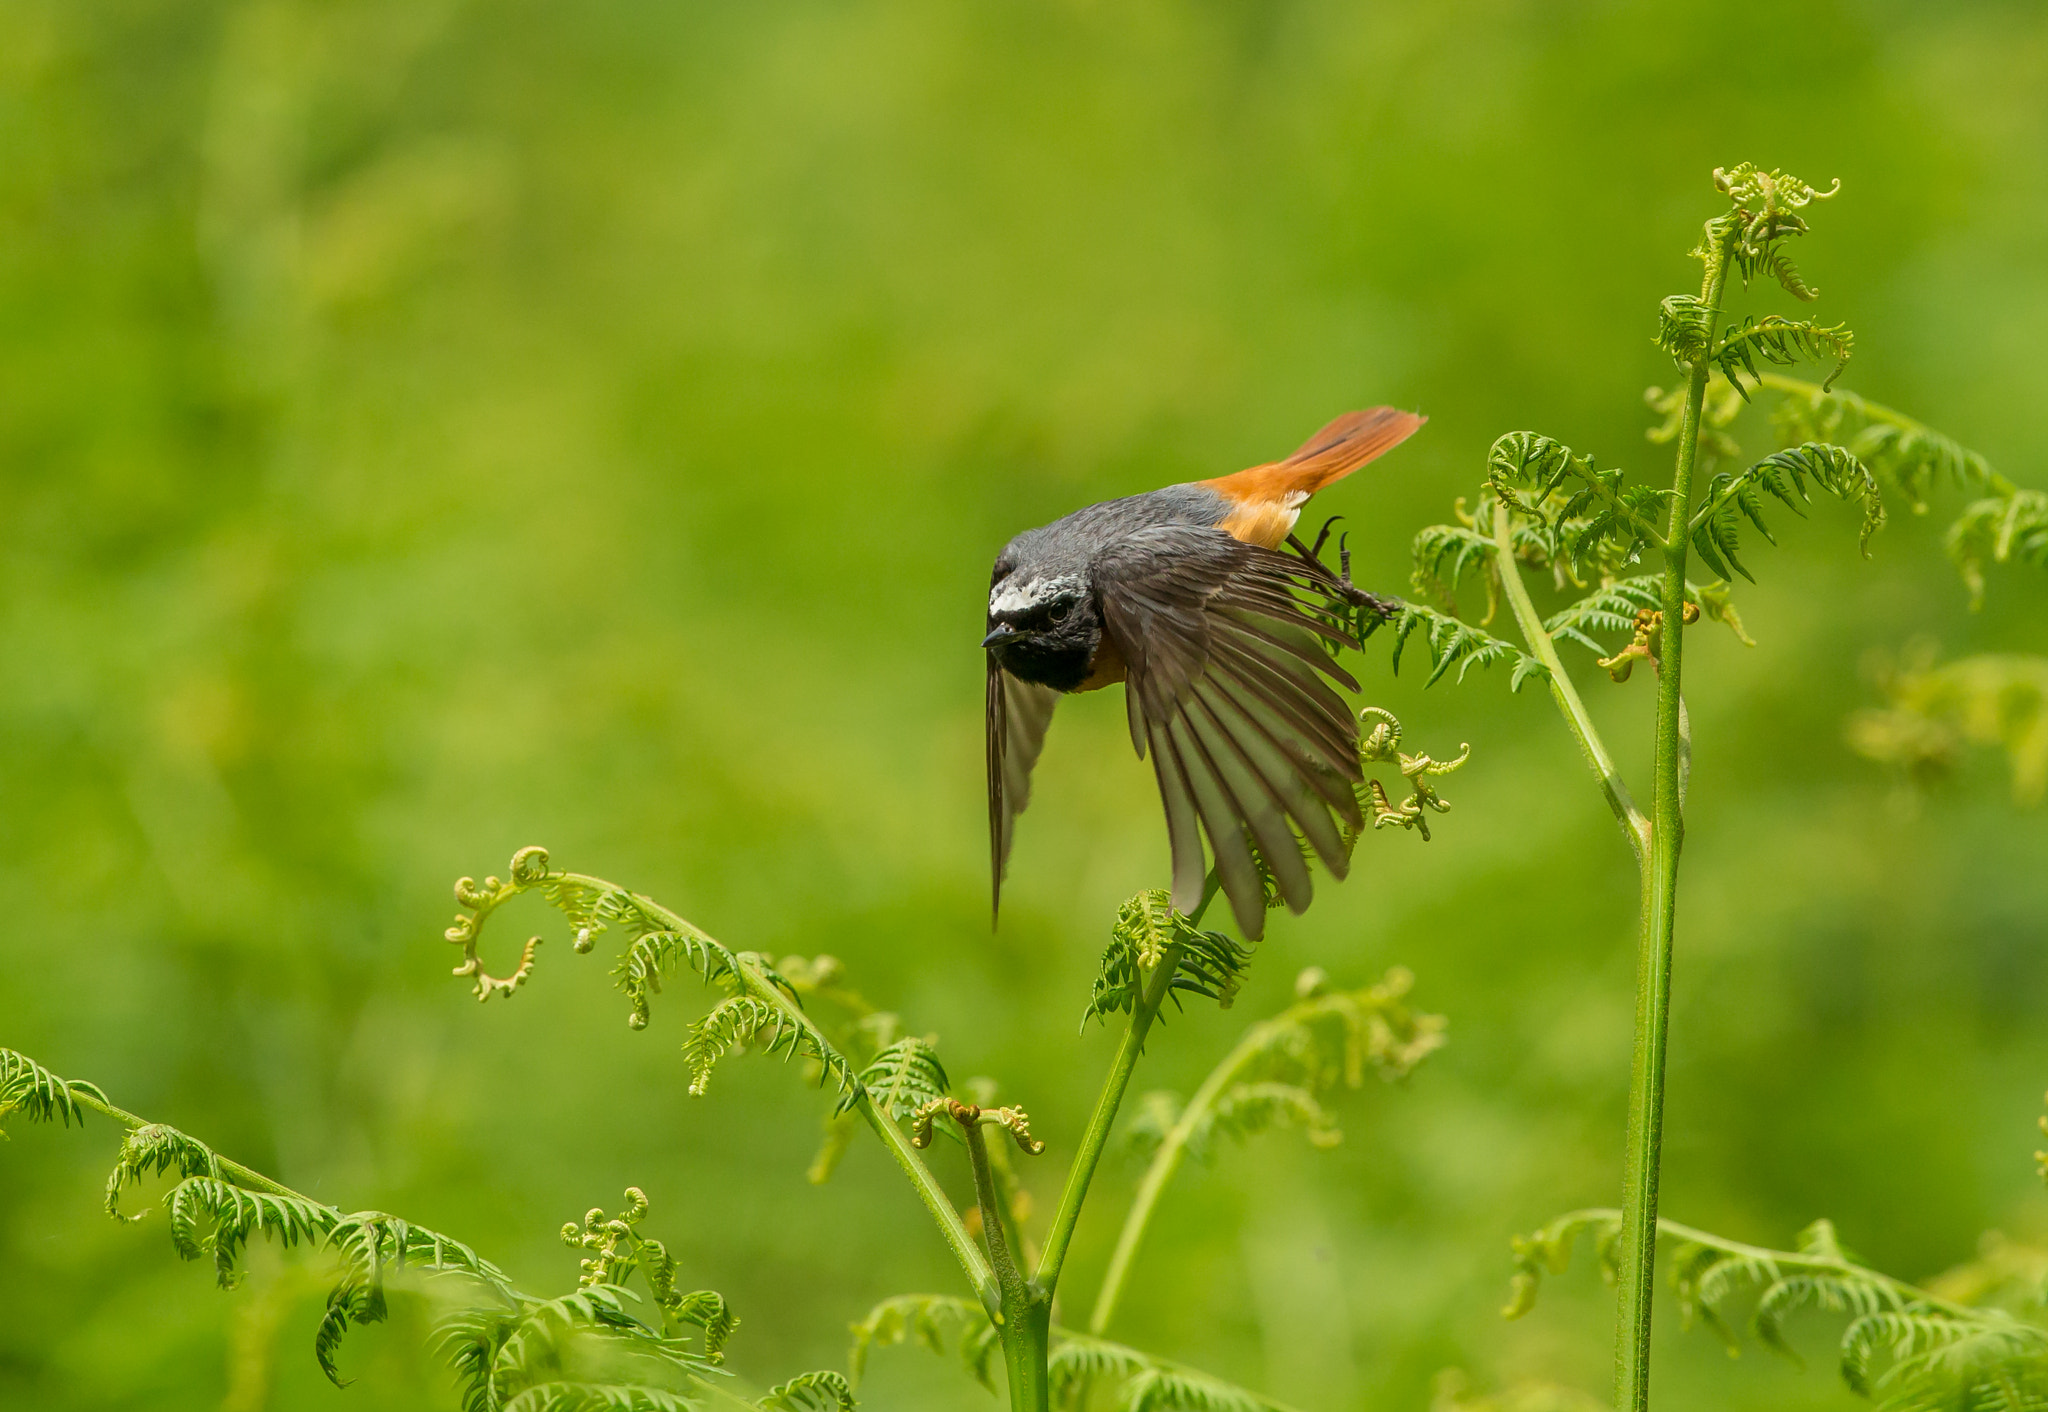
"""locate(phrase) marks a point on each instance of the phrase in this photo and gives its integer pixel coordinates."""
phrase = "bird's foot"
(1338, 581)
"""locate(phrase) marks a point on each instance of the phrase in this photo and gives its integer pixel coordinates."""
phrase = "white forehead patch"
(1010, 596)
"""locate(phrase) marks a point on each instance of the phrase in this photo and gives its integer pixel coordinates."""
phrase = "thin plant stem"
(761, 987)
(1165, 1163)
(1638, 1254)
(1877, 412)
(242, 1176)
(1787, 1261)
(1096, 1137)
(1024, 1320)
(1562, 690)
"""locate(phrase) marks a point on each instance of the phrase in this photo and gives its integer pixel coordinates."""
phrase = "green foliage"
(1146, 933)
(762, 1009)
(1906, 454)
(810, 1392)
(1934, 709)
(1766, 206)
(1451, 642)
(934, 1322)
(2007, 524)
(1785, 475)
(27, 1087)
(1905, 1349)
(581, 1351)
(1598, 525)
(152, 1150)
(1781, 341)
(1284, 1068)
(510, 1351)
(904, 1077)
(1082, 1369)
(2011, 528)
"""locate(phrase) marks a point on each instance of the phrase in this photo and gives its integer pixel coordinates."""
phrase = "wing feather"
(1231, 685)
(1260, 805)
(1016, 714)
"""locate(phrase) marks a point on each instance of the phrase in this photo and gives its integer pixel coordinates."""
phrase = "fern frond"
(1940, 1354)
(1141, 1383)
(1904, 453)
(1611, 608)
(1789, 476)
(1247, 1109)
(2005, 529)
(1452, 642)
(210, 1216)
(1765, 203)
(1444, 554)
(1933, 710)
(707, 1309)
(903, 1078)
(1146, 929)
(600, 1397)
(152, 1150)
(736, 1021)
(27, 1087)
(639, 968)
(1781, 341)
(1078, 1363)
(762, 1006)
(1684, 325)
(932, 1321)
(810, 1392)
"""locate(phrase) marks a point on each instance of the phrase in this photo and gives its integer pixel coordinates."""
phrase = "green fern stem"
(1562, 690)
(1786, 1261)
(1157, 986)
(1165, 1164)
(1863, 407)
(755, 982)
(1667, 825)
(246, 1177)
(928, 1189)
(1024, 1316)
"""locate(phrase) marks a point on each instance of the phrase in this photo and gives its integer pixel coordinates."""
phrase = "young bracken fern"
(1619, 552)
(1970, 1341)
(661, 1348)
(511, 1351)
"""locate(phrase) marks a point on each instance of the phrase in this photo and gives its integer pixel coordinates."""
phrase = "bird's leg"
(1339, 583)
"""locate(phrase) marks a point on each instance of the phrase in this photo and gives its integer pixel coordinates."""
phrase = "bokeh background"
(430, 428)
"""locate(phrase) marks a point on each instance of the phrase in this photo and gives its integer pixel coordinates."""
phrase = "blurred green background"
(432, 428)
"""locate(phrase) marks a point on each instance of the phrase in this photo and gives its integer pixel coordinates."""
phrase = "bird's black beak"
(1002, 634)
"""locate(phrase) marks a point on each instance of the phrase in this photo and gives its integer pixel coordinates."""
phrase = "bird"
(1185, 596)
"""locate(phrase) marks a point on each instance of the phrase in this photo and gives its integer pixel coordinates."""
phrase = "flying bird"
(1184, 596)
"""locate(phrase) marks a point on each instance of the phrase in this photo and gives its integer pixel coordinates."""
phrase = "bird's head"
(1042, 627)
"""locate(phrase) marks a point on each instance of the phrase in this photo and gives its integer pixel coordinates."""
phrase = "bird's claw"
(1339, 582)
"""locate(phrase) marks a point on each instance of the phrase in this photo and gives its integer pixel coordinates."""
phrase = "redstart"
(1184, 596)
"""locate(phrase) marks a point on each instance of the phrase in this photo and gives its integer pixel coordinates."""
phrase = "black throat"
(1063, 666)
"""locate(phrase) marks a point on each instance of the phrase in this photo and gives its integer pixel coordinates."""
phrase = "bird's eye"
(1060, 611)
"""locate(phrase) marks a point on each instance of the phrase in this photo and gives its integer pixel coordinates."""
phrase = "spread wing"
(1016, 716)
(1229, 686)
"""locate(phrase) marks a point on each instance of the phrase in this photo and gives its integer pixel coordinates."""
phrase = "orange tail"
(1269, 497)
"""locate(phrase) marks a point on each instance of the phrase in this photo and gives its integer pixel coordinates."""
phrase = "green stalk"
(758, 985)
(1667, 828)
(1024, 1320)
(1165, 1163)
(1565, 693)
(1143, 1013)
(1870, 411)
(240, 1175)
